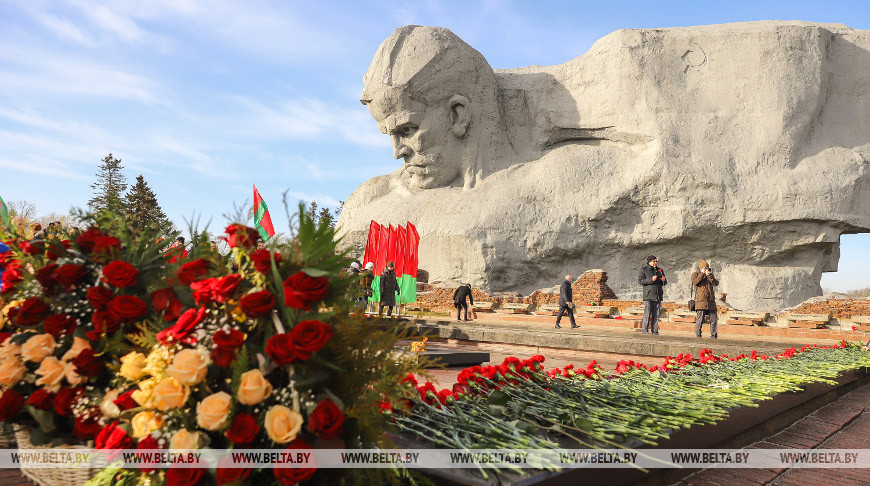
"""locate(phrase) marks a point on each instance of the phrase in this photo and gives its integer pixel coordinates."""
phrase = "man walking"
(652, 278)
(462, 293)
(565, 303)
(703, 282)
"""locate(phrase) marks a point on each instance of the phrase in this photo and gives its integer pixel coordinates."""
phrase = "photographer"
(703, 281)
(653, 279)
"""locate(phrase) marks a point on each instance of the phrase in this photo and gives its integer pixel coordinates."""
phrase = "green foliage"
(109, 187)
(116, 476)
(142, 210)
(324, 215)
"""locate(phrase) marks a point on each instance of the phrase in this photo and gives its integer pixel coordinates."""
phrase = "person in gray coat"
(566, 303)
(652, 278)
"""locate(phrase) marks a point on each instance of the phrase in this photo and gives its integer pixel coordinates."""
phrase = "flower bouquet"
(115, 342)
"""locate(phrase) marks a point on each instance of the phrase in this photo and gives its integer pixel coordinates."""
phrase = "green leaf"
(44, 418)
(315, 272)
(583, 424)
(495, 410)
(39, 437)
(498, 397)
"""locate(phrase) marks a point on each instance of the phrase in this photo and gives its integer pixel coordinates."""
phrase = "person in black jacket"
(653, 279)
(460, 295)
(389, 287)
(565, 303)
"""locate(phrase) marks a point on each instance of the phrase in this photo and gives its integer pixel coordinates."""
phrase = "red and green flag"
(4, 213)
(262, 219)
(398, 245)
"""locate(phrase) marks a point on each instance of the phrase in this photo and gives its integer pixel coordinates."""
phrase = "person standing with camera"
(652, 278)
(703, 281)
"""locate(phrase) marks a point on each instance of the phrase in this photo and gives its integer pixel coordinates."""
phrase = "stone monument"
(746, 145)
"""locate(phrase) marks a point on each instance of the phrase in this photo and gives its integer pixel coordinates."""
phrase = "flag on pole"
(371, 255)
(4, 213)
(408, 283)
(262, 219)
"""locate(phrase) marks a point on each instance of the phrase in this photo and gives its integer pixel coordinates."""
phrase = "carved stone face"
(421, 135)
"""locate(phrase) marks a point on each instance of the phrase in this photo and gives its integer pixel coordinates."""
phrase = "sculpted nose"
(400, 150)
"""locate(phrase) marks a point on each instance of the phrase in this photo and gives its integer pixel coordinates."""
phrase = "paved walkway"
(843, 424)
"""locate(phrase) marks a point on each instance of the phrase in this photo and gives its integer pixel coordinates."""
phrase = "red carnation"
(65, 398)
(113, 437)
(87, 239)
(99, 297)
(192, 271)
(301, 290)
(183, 476)
(127, 308)
(41, 399)
(262, 260)
(125, 401)
(244, 429)
(215, 289)
(226, 342)
(183, 327)
(31, 312)
(87, 363)
(59, 324)
(70, 274)
(326, 420)
(293, 475)
(257, 304)
(120, 274)
(240, 235)
(10, 404)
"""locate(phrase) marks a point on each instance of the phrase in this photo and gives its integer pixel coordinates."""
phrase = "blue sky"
(205, 97)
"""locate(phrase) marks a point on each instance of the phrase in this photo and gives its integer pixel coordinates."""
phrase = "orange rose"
(78, 346)
(38, 347)
(72, 377)
(132, 365)
(107, 405)
(282, 424)
(188, 367)
(11, 372)
(213, 412)
(254, 388)
(7, 349)
(144, 423)
(185, 440)
(169, 394)
(51, 371)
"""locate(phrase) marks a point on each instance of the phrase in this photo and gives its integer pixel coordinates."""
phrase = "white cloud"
(64, 29)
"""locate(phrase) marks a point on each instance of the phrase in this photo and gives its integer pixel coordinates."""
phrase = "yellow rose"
(145, 398)
(144, 423)
(38, 347)
(51, 371)
(132, 365)
(78, 346)
(108, 407)
(155, 363)
(185, 439)
(7, 350)
(254, 388)
(213, 412)
(11, 372)
(169, 394)
(282, 424)
(72, 377)
(188, 367)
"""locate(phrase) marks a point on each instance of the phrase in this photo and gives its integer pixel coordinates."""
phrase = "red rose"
(70, 274)
(191, 271)
(227, 287)
(104, 322)
(99, 297)
(125, 401)
(183, 476)
(308, 337)
(87, 363)
(106, 248)
(161, 298)
(262, 260)
(12, 274)
(173, 311)
(46, 276)
(41, 399)
(278, 348)
(87, 239)
(120, 274)
(65, 398)
(215, 289)
(127, 308)
(183, 327)
(326, 420)
(240, 235)
(228, 473)
(31, 312)
(53, 255)
(88, 428)
(302, 290)
(148, 443)
(35, 248)
(257, 304)
(293, 475)
(226, 342)
(244, 429)
(113, 437)
(59, 324)
(10, 404)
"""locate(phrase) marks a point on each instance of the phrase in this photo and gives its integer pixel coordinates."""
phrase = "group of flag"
(398, 245)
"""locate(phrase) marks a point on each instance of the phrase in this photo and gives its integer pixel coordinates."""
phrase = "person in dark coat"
(389, 287)
(566, 303)
(366, 277)
(460, 295)
(652, 278)
(703, 282)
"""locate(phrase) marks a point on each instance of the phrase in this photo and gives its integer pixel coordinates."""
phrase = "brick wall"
(839, 308)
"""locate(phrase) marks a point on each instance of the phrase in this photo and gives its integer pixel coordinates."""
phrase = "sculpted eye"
(406, 130)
